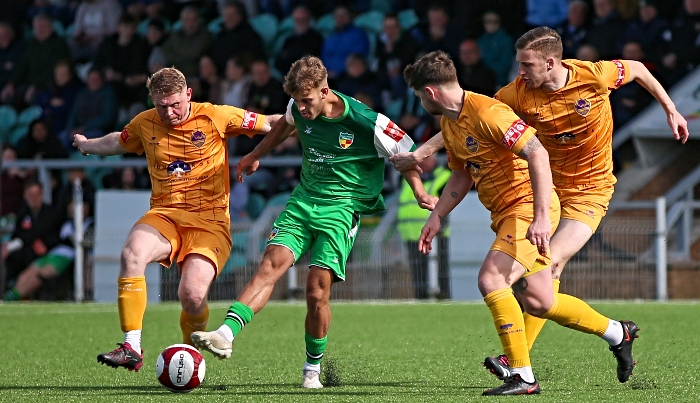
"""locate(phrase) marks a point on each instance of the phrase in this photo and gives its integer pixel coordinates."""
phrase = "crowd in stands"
(70, 66)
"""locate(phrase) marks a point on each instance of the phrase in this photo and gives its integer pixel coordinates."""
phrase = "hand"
(538, 234)
(427, 201)
(406, 161)
(4, 251)
(247, 164)
(678, 125)
(430, 229)
(79, 142)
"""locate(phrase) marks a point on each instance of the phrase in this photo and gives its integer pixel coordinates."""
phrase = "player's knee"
(192, 303)
(316, 296)
(133, 261)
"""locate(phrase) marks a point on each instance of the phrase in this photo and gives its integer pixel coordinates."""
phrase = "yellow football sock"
(533, 324)
(190, 324)
(574, 313)
(131, 300)
(508, 319)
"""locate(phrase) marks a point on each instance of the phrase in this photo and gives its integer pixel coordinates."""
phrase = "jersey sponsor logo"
(273, 234)
(198, 138)
(345, 139)
(513, 133)
(472, 144)
(394, 131)
(249, 120)
(620, 73)
(124, 136)
(178, 168)
(582, 107)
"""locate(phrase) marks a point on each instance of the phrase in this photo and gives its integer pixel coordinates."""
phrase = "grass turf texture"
(376, 352)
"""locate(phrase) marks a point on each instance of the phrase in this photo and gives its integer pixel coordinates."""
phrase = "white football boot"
(310, 380)
(212, 342)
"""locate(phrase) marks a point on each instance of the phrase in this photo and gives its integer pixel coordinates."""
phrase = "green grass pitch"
(378, 352)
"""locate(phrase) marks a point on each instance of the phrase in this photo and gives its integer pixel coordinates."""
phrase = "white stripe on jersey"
(288, 114)
(389, 138)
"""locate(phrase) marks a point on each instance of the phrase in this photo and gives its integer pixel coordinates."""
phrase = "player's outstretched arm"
(676, 121)
(424, 199)
(281, 130)
(410, 160)
(270, 121)
(105, 145)
(537, 158)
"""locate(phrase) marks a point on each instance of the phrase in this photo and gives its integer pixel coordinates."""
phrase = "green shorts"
(328, 231)
(58, 262)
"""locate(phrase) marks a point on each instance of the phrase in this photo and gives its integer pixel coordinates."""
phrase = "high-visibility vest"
(411, 218)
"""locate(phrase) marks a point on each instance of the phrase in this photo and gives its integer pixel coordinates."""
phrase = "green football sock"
(238, 316)
(12, 295)
(315, 348)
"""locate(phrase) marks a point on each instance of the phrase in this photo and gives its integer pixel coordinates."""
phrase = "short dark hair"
(435, 68)
(542, 40)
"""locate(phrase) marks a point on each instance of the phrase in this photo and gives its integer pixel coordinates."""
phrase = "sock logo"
(506, 326)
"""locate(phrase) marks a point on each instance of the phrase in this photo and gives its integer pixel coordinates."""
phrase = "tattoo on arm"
(454, 195)
(520, 286)
(531, 146)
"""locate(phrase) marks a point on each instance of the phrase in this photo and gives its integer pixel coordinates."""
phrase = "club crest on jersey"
(582, 107)
(273, 234)
(472, 144)
(198, 138)
(178, 168)
(345, 139)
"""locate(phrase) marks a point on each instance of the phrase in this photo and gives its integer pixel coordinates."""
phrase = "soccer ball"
(180, 368)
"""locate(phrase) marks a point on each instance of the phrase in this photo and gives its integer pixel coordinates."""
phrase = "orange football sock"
(190, 324)
(131, 300)
(508, 319)
(533, 324)
(572, 312)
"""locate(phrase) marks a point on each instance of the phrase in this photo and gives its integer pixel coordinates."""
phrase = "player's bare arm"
(424, 199)
(410, 160)
(541, 178)
(455, 189)
(270, 120)
(105, 145)
(281, 130)
(676, 121)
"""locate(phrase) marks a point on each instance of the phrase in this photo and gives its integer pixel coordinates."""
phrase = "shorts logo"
(394, 131)
(345, 140)
(198, 138)
(273, 234)
(124, 136)
(472, 144)
(620, 73)
(179, 167)
(513, 133)
(249, 120)
(582, 107)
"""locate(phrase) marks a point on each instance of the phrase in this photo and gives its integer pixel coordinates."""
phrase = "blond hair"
(435, 68)
(542, 40)
(166, 81)
(306, 74)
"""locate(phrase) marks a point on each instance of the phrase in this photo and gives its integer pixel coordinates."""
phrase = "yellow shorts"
(586, 203)
(510, 237)
(189, 233)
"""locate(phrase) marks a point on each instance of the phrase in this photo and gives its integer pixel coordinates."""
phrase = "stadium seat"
(59, 29)
(286, 26)
(17, 132)
(371, 21)
(8, 118)
(326, 24)
(408, 19)
(29, 115)
(235, 260)
(393, 111)
(266, 25)
(215, 26)
(279, 199)
(255, 206)
(143, 26)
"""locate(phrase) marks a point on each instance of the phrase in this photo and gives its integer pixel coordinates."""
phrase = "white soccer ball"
(180, 368)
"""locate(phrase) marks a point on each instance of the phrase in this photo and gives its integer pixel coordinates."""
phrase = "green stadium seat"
(286, 26)
(255, 205)
(381, 5)
(143, 26)
(8, 119)
(371, 21)
(393, 111)
(215, 26)
(266, 25)
(326, 24)
(408, 19)
(279, 199)
(17, 132)
(29, 115)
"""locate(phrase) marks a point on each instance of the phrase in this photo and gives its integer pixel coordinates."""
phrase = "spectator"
(123, 61)
(607, 29)
(546, 13)
(156, 37)
(648, 29)
(439, 33)
(185, 47)
(237, 83)
(683, 47)
(358, 79)
(57, 10)
(414, 119)
(472, 73)
(94, 112)
(94, 21)
(303, 41)
(58, 98)
(36, 232)
(12, 183)
(237, 36)
(207, 86)
(35, 68)
(126, 178)
(395, 50)
(265, 94)
(11, 49)
(628, 100)
(587, 52)
(59, 260)
(496, 48)
(573, 31)
(345, 40)
(40, 143)
(64, 194)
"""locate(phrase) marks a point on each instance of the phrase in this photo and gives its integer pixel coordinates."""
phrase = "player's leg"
(144, 244)
(318, 320)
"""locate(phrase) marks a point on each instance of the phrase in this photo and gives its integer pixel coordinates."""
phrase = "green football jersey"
(343, 158)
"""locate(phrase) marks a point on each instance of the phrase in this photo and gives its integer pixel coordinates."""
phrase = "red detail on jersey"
(394, 131)
(249, 120)
(124, 136)
(620, 73)
(513, 133)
